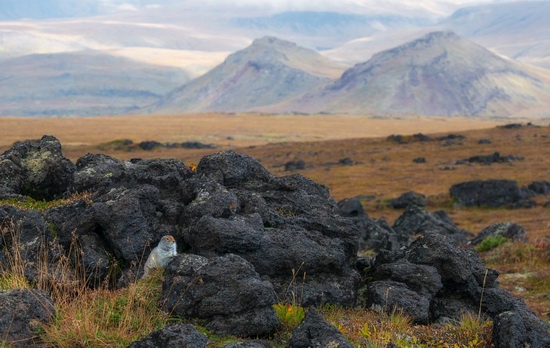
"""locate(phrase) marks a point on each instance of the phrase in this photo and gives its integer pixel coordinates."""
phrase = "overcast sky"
(442, 7)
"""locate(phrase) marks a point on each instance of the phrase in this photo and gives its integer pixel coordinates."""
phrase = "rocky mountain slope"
(439, 74)
(81, 83)
(267, 72)
(519, 30)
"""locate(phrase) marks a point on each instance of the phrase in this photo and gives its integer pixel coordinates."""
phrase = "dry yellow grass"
(79, 135)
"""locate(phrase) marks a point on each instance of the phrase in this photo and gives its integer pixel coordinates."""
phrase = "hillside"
(267, 72)
(81, 83)
(438, 74)
(519, 30)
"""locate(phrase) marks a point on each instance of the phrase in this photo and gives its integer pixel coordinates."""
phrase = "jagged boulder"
(37, 169)
(490, 193)
(388, 295)
(174, 336)
(519, 328)
(75, 228)
(407, 199)
(99, 173)
(295, 165)
(27, 240)
(351, 207)
(372, 234)
(224, 291)
(314, 331)
(417, 221)
(491, 159)
(231, 169)
(249, 344)
(433, 279)
(129, 220)
(280, 225)
(507, 230)
(23, 311)
(539, 187)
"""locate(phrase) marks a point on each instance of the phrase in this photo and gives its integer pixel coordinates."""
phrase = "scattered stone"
(451, 137)
(395, 138)
(22, 312)
(539, 187)
(175, 336)
(421, 137)
(484, 141)
(490, 193)
(351, 207)
(407, 199)
(249, 344)
(149, 145)
(198, 145)
(508, 230)
(511, 126)
(419, 160)
(490, 159)
(346, 161)
(314, 331)
(400, 139)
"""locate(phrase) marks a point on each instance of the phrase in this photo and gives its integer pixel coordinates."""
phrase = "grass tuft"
(491, 242)
(41, 205)
(85, 317)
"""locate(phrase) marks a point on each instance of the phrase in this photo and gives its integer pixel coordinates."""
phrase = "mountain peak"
(272, 41)
(440, 73)
(267, 72)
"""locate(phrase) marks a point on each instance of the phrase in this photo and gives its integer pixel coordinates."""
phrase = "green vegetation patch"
(491, 242)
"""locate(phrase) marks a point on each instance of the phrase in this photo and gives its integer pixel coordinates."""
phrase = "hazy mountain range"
(437, 74)
(60, 57)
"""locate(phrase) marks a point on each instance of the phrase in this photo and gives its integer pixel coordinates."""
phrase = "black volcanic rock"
(434, 280)
(508, 230)
(174, 336)
(294, 165)
(416, 220)
(539, 187)
(224, 291)
(351, 207)
(37, 169)
(407, 199)
(489, 193)
(492, 158)
(314, 331)
(23, 311)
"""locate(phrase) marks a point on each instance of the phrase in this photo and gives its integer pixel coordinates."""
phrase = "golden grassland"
(382, 170)
(79, 135)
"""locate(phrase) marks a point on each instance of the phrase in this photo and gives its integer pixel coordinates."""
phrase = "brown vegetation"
(382, 169)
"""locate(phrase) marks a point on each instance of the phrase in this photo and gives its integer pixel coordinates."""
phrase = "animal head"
(168, 243)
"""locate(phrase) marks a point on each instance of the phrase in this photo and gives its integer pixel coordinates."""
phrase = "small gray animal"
(161, 255)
